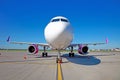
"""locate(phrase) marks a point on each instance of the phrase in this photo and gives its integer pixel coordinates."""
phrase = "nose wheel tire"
(58, 60)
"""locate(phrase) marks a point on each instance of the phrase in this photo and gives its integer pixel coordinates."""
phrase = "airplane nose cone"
(58, 33)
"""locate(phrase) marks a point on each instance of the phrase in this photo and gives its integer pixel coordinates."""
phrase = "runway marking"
(59, 72)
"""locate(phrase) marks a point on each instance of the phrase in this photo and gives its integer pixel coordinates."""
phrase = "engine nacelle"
(83, 49)
(33, 49)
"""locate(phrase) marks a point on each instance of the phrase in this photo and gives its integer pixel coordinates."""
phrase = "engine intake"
(33, 49)
(83, 49)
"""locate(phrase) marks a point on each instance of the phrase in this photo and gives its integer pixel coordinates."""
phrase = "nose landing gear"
(58, 60)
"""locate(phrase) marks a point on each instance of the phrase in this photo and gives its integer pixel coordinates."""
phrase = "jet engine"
(33, 49)
(83, 49)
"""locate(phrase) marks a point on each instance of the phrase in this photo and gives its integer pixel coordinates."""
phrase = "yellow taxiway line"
(59, 72)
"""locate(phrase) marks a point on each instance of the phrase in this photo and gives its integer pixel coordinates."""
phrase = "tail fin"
(8, 39)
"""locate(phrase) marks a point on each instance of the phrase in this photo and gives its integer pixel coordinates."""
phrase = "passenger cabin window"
(55, 20)
(64, 20)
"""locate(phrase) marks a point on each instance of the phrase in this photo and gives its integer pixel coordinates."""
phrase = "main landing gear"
(71, 54)
(44, 53)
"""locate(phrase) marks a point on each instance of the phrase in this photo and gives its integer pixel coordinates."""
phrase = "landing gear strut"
(44, 53)
(59, 59)
(71, 54)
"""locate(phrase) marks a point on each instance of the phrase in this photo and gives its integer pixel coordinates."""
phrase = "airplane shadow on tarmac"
(82, 60)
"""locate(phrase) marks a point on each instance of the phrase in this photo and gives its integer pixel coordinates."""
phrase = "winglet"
(8, 39)
(106, 40)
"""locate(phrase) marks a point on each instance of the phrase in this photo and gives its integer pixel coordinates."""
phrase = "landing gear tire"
(44, 54)
(71, 55)
(58, 60)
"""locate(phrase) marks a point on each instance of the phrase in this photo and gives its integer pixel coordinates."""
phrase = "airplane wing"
(74, 45)
(28, 43)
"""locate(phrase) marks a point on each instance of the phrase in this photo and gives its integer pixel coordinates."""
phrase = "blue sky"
(92, 20)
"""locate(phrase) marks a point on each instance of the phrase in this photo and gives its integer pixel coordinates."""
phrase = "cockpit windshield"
(64, 20)
(55, 20)
(59, 19)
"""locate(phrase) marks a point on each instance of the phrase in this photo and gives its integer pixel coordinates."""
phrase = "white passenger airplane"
(59, 35)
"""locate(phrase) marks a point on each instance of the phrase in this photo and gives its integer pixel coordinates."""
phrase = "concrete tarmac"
(13, 66)
(98, 66)
(95, 66)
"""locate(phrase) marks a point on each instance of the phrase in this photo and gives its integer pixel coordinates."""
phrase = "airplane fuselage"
(59, 33)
